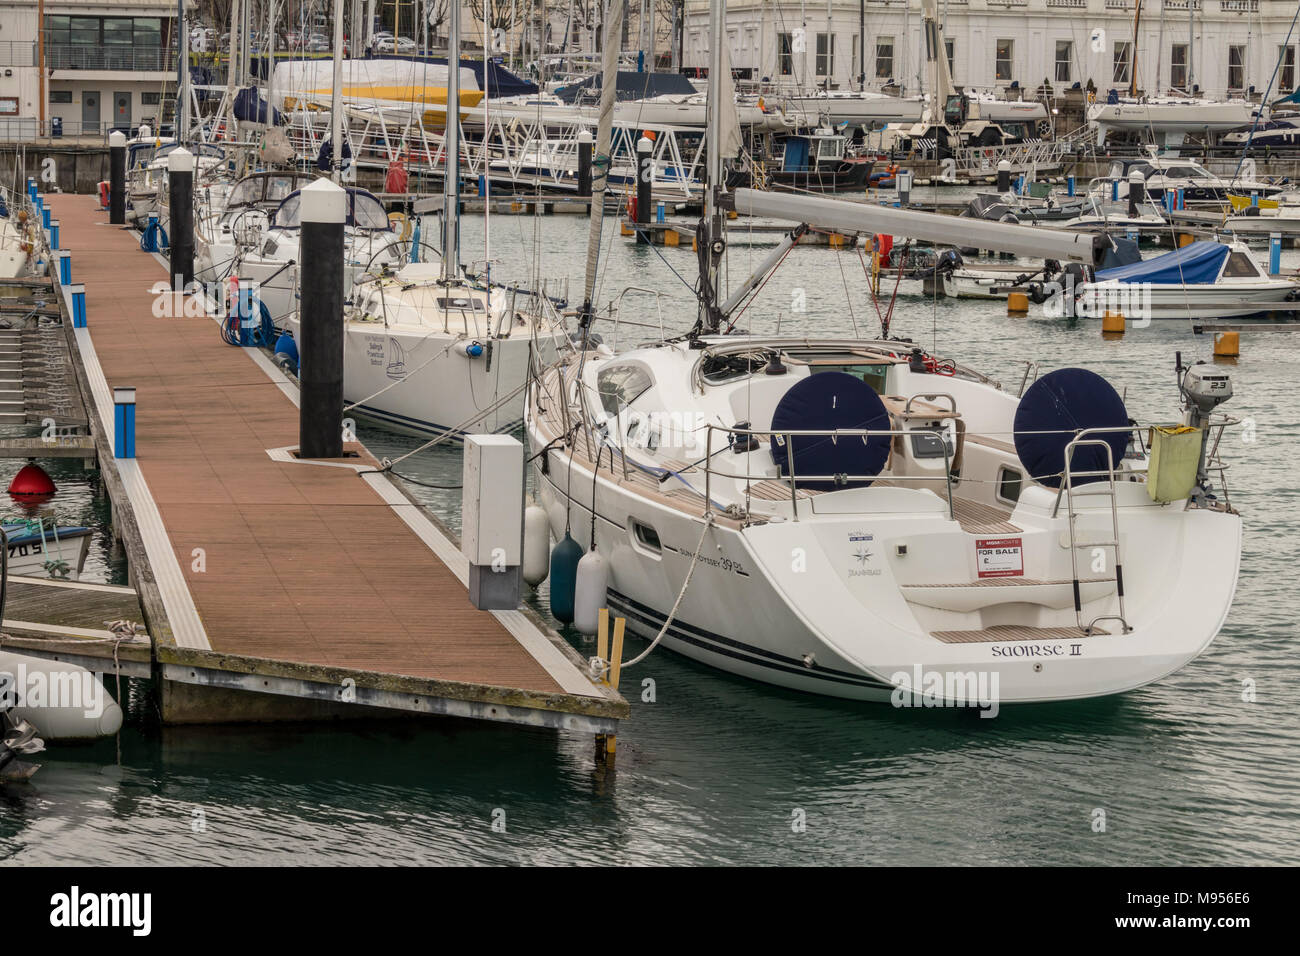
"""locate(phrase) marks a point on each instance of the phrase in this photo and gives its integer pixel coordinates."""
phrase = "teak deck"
(297, 571)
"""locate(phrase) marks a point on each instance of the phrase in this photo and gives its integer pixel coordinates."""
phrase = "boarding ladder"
(1068, 481)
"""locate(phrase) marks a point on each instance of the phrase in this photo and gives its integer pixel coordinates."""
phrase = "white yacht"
(232, 219)
(369, 244)
(838, 516)
(1171, 118)
(17, 238)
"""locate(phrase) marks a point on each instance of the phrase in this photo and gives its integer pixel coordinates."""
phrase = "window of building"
(1002, 59)
(1286, 77)
(151, 99)
(60, 96)
(1178, 66)
(884, 58)
(1064, 56)
(84, 31)
(118, 31)
(57, 30)
(1123, 60)
(148, 31)
(784, 54)
(950, 46)
(1236, 67)
(825, 54)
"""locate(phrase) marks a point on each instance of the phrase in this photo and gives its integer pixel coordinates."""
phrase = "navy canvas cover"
(821, 402)
(1197, 263)
(1054, 410)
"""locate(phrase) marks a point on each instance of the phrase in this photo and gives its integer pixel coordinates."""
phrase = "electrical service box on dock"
(493, 520)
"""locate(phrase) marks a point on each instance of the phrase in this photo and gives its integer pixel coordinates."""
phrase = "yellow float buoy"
(1227, 344)
(1017, 303)
(1112, 323)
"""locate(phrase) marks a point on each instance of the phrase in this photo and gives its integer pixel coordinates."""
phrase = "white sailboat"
(858, 518)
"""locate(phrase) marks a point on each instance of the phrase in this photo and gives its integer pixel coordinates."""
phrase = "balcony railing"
(74, 57)
(1239, 6)
(1078, 4)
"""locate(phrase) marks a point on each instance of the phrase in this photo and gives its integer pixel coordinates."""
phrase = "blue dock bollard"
(54, 235)
(1254, 198)
(45, 217)
(31, 188)
(660, 212)
(482, 186)
(1182, 199)
(78, 293)
(124, 422)
(1274, 253)
(1069, 185)
(1114, 190)
(63, 260)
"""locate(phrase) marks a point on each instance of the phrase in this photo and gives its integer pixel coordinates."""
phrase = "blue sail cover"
(1051, 414)
(822, 402)
(1197, 263)
(631, 86)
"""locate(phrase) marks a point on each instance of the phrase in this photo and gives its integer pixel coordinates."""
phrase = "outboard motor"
(1203, 388)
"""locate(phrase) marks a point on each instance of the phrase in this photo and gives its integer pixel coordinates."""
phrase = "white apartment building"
(1220, 46)
(107, 65)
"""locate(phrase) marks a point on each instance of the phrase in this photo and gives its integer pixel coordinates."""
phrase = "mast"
(714, 231)
(182, 74)
(336, 98)
(451, 150)
(1133, 58)
(862, 45)
(270, 62)
(613, 20)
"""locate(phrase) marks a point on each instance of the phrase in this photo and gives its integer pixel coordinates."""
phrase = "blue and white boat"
(40, 549)
(1202, 280)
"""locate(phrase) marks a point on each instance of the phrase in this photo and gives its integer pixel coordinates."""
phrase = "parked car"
(402, 45)
(317, 43)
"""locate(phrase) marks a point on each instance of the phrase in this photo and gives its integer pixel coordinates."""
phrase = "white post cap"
(53, 223)
(76, 287)
(124, 395)
(584, 136)
(1004, 165)
(117, 139)
(324, 201)
(1135, 176)
(644, 144)
(180, 160)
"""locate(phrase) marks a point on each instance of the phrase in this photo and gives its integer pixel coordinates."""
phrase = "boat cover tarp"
(1052, 413)
(631, 86)
(491, 77)
(1121, 252)
(822, 402)
(250, 107)
(1197, 263)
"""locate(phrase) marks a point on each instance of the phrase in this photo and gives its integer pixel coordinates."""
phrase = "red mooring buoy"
(32, 486)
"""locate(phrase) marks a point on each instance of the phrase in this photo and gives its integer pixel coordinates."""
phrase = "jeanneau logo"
(76, 909)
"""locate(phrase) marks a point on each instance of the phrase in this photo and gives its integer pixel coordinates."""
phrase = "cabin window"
(884, 58)
(784, 54)
(1123, 62)
(1287, 57)
(621, 385)
(1002, 59)
(825, 55)
(647, 537)
(1236, 67)
(1009, 484)
(1064, 56)
(1178, 66)
(1240, 266)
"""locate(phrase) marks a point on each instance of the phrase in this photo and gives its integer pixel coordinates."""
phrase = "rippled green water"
(716, 768)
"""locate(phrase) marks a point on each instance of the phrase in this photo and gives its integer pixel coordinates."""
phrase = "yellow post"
(1017, 303)
(1112, 323)
(602, 648)
(1227, 344)
(672, 237)
(626, 230)
(615, 665)
(1185, 239)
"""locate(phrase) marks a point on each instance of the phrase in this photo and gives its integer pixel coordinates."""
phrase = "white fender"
(589, 594)
(537, 545)
(62, 701)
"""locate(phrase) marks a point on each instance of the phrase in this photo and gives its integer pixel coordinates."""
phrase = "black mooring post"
(645, 175)
(180, 196)
(117, 178)
(320, 349)
(1137, 188)
(1004, 176)
(584, 162)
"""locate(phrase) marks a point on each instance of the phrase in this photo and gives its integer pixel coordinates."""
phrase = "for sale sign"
(999, 557)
